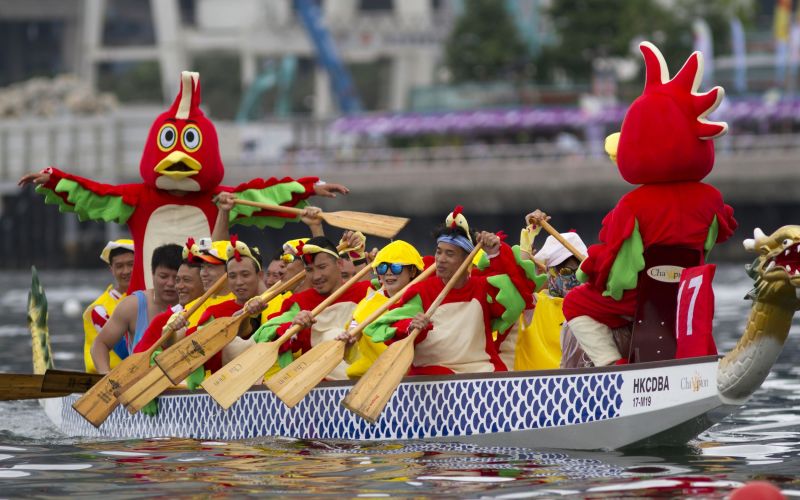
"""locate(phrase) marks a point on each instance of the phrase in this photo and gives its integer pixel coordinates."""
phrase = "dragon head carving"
(776, 270)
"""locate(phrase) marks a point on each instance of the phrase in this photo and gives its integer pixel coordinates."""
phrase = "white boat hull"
(601, 408)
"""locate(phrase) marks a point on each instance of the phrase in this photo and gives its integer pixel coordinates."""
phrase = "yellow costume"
(96, 315)
(539, 343)
(367, 351)
(94, 318)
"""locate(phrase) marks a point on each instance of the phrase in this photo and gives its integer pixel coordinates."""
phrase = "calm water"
(762, 441)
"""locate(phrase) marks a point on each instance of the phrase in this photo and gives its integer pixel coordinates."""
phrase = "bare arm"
(116, 326)
(312, 218)
(224, 203)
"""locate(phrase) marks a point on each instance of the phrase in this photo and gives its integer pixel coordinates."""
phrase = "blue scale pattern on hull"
(418, 410)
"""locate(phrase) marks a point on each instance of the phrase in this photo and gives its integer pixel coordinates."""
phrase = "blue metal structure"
(343, 88)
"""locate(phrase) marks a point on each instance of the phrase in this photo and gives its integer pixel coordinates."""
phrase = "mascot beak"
(178, 165)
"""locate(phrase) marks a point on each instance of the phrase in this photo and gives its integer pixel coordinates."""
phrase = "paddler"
(458, 338)
(395, 265)
(118, 255)
(135, 312)
(323, 268)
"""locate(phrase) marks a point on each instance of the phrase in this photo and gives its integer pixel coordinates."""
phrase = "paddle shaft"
(384, 226)
(555, 234)
(70, 381)
(267, 206)
(333, 297)
(169, 328)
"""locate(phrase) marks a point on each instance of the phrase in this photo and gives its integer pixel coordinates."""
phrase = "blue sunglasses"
(383, 267)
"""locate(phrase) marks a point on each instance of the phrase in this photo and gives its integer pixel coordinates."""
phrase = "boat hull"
(600, 408)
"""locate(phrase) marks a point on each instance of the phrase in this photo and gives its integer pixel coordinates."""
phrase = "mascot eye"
(787, 242)
(191, 138)
(167, 137)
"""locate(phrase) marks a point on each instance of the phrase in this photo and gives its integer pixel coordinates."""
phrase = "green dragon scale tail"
(37, 323)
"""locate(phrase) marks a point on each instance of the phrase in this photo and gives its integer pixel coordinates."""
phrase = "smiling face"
(121, 267)
(210, 273)
(275, 272)
(188, 284)
(325, 273)
(393, 283)
(244, 279)
(448, 259)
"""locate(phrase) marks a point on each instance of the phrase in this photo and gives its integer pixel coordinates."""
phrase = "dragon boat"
(649, 403)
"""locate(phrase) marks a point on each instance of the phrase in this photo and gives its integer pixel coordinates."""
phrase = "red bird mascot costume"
(666, 146)
(181, 169)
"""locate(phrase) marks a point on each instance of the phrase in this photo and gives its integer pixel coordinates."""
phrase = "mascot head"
(665, 136)
(182, 151)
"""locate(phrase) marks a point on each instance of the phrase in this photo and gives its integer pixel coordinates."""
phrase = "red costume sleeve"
(128, 192)
(618, 226)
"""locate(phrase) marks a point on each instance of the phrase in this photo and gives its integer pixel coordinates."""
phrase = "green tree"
(590, 29)
(484, 45)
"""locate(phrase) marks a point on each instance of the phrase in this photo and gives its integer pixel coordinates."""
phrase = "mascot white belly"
(172, 224)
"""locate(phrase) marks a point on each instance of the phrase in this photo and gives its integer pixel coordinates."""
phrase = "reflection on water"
(759, 442)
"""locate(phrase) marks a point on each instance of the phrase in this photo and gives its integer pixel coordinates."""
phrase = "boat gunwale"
(477, 376)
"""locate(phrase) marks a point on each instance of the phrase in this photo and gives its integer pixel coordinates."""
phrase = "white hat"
(553, 253)
(113, 245)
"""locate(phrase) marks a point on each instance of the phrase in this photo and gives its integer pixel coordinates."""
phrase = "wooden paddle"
(384, 226)
(295, 381)
(99, 401)
(234, 379)
(371, 393)
(207, 341)
(15, 386)
(70, 381)
(183, 357)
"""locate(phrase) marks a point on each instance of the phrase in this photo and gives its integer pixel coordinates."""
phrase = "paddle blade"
(371, 393)
(24, 386)
(99, 401)
(234, 379)
(296, 380)
(183, 357)
(68, 381)
(384, 226)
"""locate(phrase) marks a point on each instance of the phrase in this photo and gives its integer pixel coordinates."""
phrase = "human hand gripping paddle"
(384, 226)
(234, 379)
(542, 221)
(186, 355)
(295, 381)
(371, 393)
(99, 401)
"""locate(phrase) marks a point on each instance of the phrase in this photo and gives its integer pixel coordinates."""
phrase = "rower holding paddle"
(134, 313)
(246, 280)
(324, 270)
(190, 289)
(458, 336)
(396, 265)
